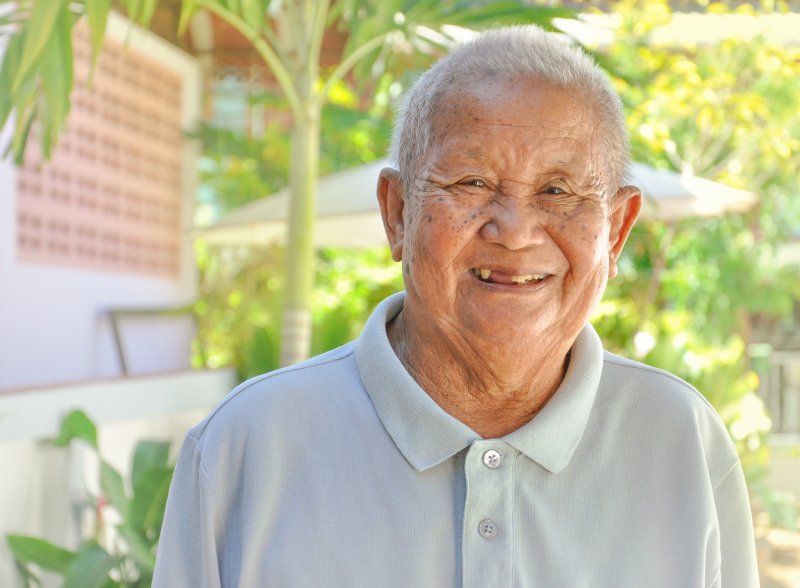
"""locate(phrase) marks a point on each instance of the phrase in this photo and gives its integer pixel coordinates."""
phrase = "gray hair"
(526, 51)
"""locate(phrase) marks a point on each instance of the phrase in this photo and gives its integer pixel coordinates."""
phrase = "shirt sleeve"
(737, 543)
(188, 547)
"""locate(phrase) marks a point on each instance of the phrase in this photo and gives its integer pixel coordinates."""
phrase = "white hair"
(519, 51)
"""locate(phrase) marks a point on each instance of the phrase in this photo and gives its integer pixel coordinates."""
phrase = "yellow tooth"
(519, 279)
(485, 273)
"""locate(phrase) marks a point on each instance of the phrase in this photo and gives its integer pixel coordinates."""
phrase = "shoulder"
(650, 384)
(665, 410)
(285, 399)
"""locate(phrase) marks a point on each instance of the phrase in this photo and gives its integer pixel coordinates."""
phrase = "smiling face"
(508, 232)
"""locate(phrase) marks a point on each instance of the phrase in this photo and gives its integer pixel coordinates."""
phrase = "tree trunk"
(304, 169)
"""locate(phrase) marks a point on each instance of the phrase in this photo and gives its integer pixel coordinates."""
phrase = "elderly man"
(476, 434)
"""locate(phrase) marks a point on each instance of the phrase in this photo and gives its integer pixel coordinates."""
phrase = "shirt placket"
(487, 544)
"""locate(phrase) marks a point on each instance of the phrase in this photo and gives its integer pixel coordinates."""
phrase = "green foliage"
(76, 425)
(128, 558)
(237, 168)
(413, 26)
(241, 299)
(29, 550)
(36, 72)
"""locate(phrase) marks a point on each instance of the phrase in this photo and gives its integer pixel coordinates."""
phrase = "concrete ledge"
(36, 413)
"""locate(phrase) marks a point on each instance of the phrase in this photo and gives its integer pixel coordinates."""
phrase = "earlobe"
(391, 199)
(626, 204)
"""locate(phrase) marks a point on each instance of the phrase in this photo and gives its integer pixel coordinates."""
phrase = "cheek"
(443, 224)
(437, 237)
(584, 242)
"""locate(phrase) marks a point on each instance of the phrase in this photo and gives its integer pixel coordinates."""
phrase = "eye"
(554, 190)
(477, 182)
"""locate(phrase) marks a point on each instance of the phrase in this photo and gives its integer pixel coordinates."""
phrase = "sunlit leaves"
(97, 15)
(36, 73)
(41, 24)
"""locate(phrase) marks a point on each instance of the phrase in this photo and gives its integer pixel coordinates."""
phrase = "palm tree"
(36, 77)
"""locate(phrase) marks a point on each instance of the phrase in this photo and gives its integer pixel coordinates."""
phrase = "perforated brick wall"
(110, 197)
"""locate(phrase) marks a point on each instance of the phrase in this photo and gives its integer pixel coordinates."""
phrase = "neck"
(492, 388)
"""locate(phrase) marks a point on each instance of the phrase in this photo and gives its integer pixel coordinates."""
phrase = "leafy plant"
(240, 302)
(120, 554)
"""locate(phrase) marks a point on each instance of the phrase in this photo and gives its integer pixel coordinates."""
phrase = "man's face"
(508, 230)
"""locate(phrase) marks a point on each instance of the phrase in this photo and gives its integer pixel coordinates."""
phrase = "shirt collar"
(426, 435)
(550, 439)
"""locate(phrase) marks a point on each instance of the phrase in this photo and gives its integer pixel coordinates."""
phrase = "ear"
(625, 207)
(391, 198)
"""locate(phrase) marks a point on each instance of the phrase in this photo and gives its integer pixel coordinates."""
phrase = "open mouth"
(497, 277)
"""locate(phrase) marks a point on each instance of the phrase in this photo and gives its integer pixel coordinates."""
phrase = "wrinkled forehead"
(520, 117)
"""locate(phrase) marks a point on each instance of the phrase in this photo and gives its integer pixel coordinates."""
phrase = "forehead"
(519, 119)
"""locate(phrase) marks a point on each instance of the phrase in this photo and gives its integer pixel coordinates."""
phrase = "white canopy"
(348, 213)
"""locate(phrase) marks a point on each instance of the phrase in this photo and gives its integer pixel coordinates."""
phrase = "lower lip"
(521, 288)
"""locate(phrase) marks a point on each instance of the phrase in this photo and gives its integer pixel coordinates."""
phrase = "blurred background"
(187, 200)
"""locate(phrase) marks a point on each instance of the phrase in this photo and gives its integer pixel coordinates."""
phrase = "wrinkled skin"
(514, 183)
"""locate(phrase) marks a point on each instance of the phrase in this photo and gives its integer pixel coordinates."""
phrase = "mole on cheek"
(430, 217)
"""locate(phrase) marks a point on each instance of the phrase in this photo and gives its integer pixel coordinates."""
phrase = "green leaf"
(506, 13)
(233, 6)
(133, 8)
(188, 10)
(90, 567)
(146, 510)
(55, 68)
(26, 113)
(148, 9)
(76, 425)
(97, 15)
(9, 66)
(113, 488)
(44, 16)
(30, 550)
(149, 455)
(254, 13)
(141, 550)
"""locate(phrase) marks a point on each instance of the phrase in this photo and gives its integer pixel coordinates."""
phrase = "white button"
(491, 459)
(487, 529)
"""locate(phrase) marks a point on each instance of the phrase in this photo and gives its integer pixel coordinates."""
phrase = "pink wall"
(105, 223)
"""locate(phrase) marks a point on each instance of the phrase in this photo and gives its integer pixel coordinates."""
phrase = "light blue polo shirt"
(342, 472)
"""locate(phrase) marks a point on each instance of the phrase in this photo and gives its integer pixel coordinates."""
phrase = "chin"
(509, 332)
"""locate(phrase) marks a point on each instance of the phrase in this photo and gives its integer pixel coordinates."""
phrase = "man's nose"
(515, 223)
